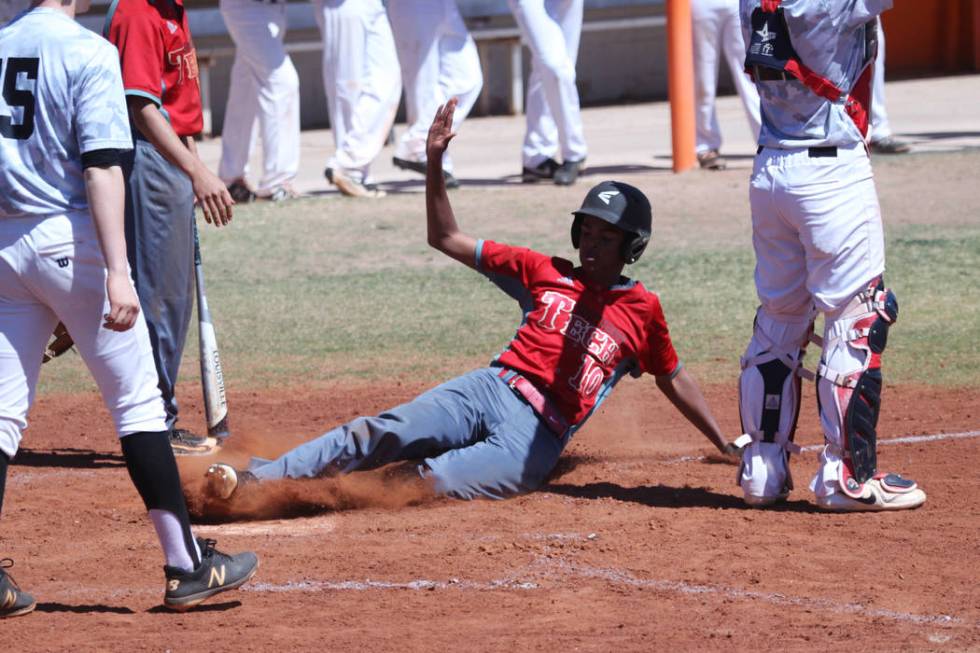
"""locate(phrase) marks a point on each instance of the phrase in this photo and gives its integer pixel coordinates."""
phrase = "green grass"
(329, 289)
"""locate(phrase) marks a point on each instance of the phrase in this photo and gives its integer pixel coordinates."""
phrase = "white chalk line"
(909, 439)
(555, 570)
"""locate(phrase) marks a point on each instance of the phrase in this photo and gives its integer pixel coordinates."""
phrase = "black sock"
(153, 468)
(4, 463)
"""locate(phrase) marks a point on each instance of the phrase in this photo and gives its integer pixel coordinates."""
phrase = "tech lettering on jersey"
(599, 346)
(184, 59)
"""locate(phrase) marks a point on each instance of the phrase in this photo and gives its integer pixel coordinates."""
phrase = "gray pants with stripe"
(475, 437)
(160, 245)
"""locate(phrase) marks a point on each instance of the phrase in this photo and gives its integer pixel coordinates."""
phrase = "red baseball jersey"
(574, 339)
(158, 59)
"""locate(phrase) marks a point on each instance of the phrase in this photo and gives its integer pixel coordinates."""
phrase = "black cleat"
(240, 192)
(541, 172)
(218, 572)
(568, 172)
(420, 167)
(13, 600)
(186, 443)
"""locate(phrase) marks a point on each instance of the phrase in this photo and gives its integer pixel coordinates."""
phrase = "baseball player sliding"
(498, 431)
(819, 246)
(64, 128)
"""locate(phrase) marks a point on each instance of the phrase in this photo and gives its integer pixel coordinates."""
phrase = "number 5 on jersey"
(13, 70)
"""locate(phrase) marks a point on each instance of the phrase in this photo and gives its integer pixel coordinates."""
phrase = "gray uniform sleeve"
(101, 117)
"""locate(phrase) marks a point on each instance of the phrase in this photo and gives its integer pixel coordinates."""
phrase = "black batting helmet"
(623, 206)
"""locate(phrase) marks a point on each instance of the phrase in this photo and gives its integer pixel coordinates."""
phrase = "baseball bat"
(212, 379)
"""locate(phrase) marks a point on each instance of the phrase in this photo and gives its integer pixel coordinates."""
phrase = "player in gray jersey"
(63, 127)
(819, 246)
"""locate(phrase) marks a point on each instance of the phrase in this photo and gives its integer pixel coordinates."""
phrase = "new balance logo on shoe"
(217, 578)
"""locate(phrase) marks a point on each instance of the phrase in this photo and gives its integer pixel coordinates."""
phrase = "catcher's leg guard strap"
(153, 469)
(769, 402)
(849, 382)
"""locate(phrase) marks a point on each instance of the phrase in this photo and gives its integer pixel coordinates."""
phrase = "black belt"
(767, 74)
(822, 152)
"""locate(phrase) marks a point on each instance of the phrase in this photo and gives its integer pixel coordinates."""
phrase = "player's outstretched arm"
(209, 191)
(683, 391)
(106, 194)
(444, 233)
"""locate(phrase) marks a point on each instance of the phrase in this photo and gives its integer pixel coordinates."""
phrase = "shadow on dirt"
(665, 496)
(70, 458)
(97, 608)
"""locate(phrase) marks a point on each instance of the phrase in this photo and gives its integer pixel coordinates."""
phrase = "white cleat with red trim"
(883, 492)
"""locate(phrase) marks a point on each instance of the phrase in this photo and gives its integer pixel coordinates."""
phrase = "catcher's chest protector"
(771, 49)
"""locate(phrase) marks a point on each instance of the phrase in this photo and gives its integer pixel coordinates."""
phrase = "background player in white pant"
(882, 139)
(263, 99)
(439, 61)
(817, 234)
(63, 127)
(362, 85)
(717, 33)
(551, 29)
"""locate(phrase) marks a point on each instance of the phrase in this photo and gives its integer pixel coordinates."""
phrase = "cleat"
(281, 193)
(542, 172)
(890, 145)
(568, 172)
(884, 492)
(186, 443)
(352, 188)
(13, 600)
(223, 480)
(420, 167)
(218, 572)
(712, 160)
(764, 502)
(240, 192)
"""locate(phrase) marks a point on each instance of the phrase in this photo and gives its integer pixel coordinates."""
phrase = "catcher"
(498, 431)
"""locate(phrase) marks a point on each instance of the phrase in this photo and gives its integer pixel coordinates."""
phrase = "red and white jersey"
(158, 58)
(576, 343)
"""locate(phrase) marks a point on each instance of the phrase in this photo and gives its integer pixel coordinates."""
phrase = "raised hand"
(441, 130)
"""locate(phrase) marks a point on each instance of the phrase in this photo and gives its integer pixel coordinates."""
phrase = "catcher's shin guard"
(849, 383)
(769, 405)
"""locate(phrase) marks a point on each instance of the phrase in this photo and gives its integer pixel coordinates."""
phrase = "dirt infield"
(639, 543)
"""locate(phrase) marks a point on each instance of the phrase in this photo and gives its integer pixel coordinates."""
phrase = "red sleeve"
(138, 38)
(517, 262)
(659, 357)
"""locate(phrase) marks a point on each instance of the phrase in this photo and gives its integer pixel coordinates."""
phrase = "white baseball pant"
(818, 240)
(717, 32)
(263, 96)
(52, 269)
(551, 29)
(360, 78)
(439, 61)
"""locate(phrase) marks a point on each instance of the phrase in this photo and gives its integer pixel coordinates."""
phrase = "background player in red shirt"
(498, 431)
(164, 178)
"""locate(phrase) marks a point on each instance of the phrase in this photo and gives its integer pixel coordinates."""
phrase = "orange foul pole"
(680, 83)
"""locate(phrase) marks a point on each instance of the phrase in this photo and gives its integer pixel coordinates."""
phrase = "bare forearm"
(683, 391)
(155, 128)
(106, 197)
(443, 232)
